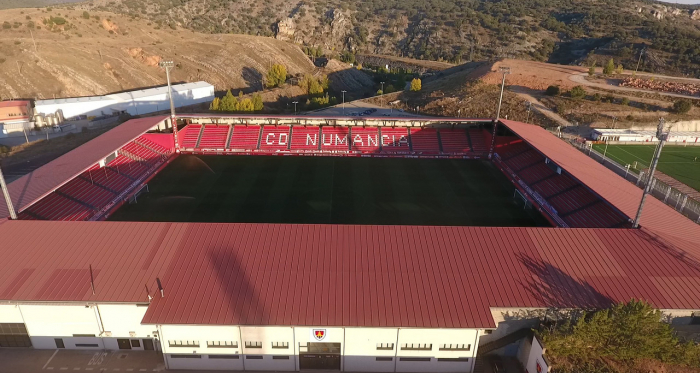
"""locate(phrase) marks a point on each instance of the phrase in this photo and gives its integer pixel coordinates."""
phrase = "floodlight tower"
(167, 65)
(8, 199)
(505, 70)
(662, 135)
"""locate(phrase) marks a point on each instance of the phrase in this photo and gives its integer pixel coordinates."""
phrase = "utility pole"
(505, 70)
(167, 65)
(343, 102)
(662, 135)
(382, 100)
(8, 200)
(641, 52)
(613, 123)
(529, 108)
(295, 107)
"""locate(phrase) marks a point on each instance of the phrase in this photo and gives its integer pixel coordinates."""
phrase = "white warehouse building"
(138, 102)
(626, 135)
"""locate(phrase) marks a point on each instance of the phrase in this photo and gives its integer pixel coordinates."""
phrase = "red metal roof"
(13, 103)
(657, 217)
(272, 274)
(35, 185)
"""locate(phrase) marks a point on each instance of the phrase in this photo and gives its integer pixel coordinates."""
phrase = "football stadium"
(394, 244)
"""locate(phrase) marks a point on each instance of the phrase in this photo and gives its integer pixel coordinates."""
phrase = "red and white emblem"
(319, 334)
(539, 367)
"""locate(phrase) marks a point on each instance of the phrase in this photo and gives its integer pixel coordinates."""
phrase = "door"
(124, 344)
(59, 343)
(148, 344)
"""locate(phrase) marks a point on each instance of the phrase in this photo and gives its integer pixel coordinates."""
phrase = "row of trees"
(230, 103)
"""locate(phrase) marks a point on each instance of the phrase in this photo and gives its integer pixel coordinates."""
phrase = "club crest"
(319, 334)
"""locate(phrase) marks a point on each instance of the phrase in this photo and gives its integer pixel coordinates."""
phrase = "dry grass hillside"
(106, 53)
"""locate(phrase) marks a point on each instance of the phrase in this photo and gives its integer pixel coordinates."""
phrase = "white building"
(134, 102)
(625, 135)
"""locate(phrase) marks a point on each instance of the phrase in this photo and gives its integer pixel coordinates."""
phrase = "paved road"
(580, 78)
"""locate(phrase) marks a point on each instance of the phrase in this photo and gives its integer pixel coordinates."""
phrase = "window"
(455, 347)
(280, 357)
(455, 359)
(13, 329)
(183, 343)
(222, 344)
(280, 345)
(234, 357)
(417, 346)
(249, 344)
(175, 356)
(59, 343)
(254, 357)
(414, 359)
(384, 358)
(87, 345)
(385, 346)
(83, 335)
(488, 331)
(135, 343)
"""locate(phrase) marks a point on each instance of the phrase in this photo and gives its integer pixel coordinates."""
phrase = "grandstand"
(334, 294)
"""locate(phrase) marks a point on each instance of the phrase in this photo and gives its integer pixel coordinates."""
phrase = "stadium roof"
(13, 103)
(333, 275)
(37, 184)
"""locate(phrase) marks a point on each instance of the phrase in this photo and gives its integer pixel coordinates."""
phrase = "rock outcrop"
(285, 29)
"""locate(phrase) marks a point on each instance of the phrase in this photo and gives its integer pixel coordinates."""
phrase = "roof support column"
(8, 199)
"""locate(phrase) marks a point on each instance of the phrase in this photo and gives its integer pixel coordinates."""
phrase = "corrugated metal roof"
(280, 274)
(657, 216)
(125, 96)
(14, 103)
(35, 185)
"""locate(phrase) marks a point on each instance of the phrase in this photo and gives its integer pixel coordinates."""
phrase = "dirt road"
(580, 78)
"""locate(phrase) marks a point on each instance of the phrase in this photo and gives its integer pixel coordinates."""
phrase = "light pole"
(505, 70)
(662, 135)
(638, 61)
(382, 99)
(613, 124)
(529, 108)
(167, 65)
(343, 102)
(459, 112)
(8, 199)
(295, 107)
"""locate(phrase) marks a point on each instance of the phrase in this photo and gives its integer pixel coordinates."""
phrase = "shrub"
(277, 76)
(4, 149)
(86, 15)
(609, 67)
(681, 106)
(553, 90)
(416, 85)
(577, 92)
(6, 25)
(597, 97)
(625, 101)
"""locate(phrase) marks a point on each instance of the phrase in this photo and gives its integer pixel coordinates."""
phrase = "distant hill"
(11, 4)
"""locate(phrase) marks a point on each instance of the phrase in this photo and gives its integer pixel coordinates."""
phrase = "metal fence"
(662, 191)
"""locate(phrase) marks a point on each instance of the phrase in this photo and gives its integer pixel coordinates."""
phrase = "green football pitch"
(680, 162)
(330, 190)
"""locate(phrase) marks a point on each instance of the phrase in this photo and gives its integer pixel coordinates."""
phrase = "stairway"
(503, 341)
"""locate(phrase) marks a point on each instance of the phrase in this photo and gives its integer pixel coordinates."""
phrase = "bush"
(609, 98)
(681, 106)
(86, 15)
(553, 90)
(277, 76)
(6, 25)
(4, 149)
(597, 97)
(577, 92)
(416, 85)
(609, 67)
(625, 101)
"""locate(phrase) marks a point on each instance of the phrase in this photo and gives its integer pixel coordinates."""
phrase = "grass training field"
(676, 161)
(330, 190)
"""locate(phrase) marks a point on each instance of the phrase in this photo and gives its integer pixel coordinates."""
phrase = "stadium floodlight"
(167, 65)
(505, 70)
(662, 135)
(343, 102)
(295, 107)
(8, 199)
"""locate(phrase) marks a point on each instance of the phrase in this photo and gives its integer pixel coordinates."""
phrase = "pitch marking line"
(51, 358)
(631, 154)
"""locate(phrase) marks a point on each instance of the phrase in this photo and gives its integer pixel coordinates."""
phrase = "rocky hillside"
(561, 31)
(65, 53)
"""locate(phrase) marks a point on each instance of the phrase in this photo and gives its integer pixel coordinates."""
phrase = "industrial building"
(138, 102)
(626, 135)
(389, 298)
(15, 116)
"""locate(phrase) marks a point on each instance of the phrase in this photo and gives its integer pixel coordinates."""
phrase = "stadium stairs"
(331, 140)
(91, 194)
(504, 341)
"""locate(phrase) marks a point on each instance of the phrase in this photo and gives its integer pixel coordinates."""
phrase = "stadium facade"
(322, 296)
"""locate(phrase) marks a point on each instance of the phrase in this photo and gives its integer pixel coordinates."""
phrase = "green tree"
(619, 69)
(553, 90)
(257, 102)
(609, 67)
(625, 101)
(86, 15)
(215, 104)
(313, 86)
(597, 97)
(416, 85)
(577, 92)
(277, 76)
(591, 70)
(246, 105)
(681, 106)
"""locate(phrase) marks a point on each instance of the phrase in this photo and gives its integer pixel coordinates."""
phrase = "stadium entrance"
(321, 356)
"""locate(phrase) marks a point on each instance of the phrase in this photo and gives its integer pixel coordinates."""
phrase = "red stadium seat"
(214, 137)
(335, 139)
(478, 140)
(395, 140)
(189, 135)
(244, 138)
(274, 138)
(364, 139)
(454, 141)
(425, 141)
(305, 138)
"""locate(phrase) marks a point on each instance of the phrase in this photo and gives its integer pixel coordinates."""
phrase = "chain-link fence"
(664, 192)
